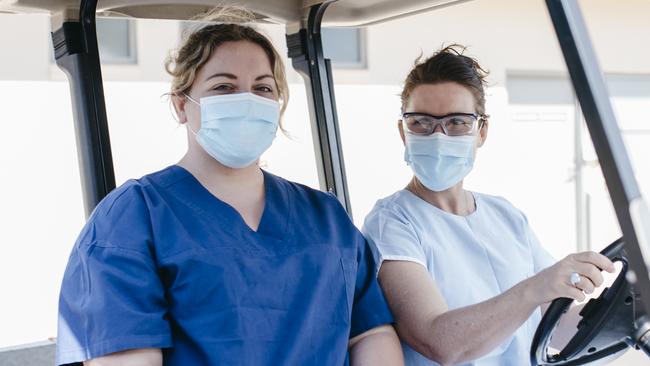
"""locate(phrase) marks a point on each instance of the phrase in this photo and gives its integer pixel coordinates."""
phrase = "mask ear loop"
(192, 99)
(187, 124)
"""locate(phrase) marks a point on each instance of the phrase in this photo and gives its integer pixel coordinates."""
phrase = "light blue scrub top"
(471, 258)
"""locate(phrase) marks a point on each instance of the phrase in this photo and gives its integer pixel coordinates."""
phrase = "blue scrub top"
(163, 263)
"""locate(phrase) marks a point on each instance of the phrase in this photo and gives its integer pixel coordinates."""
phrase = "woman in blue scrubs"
(213, 261)
(462, 271)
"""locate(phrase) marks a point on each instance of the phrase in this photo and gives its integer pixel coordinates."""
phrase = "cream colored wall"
(507, 36)
(24, 40)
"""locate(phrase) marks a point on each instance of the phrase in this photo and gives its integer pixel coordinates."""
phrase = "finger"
(575, 294)
(596, 259)
(591, 272)
(585, 285)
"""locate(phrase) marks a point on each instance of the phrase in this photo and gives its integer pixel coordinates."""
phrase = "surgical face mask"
(440, 161)
(237, 128)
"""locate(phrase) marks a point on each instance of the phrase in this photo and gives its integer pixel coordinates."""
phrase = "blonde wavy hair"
(212, 29)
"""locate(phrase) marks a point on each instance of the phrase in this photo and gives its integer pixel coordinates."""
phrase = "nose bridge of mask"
(456, 146)
(247, 105)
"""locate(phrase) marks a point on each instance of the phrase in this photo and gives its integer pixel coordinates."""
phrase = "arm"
(448, 337)
(378, 346)
(112, 298)
(135, 357)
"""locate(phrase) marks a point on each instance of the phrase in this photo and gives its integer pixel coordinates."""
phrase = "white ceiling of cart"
(341, 12)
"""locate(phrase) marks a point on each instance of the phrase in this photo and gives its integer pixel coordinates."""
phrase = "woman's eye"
(264, 89)
(223, 87)
(416, 125)
(424, 122)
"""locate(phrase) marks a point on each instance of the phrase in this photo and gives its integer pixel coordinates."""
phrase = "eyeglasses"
(453, 124)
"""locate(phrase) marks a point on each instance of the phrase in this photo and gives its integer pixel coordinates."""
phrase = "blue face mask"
(237, 128)
(440, 161)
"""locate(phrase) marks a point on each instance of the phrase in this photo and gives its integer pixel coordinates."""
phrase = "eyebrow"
(263, 77)
(232, 76)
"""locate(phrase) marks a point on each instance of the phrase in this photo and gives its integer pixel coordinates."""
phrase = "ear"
(483, 132)
(179, 107)
(400, 127)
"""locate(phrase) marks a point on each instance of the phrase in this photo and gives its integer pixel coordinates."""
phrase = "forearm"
(470, 332)
(379, 347)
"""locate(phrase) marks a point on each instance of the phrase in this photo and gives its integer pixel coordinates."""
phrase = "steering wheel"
(610, 324)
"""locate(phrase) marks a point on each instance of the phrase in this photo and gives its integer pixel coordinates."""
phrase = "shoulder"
(394, 200)
(134, 194)
(494, 201)
(127, 197)
(318, 216)
(304, 197)
(390, 214)
(122, 218)
(399, 206)
(499, 205)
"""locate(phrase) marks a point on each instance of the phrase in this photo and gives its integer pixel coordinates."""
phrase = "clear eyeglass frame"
(453, 124)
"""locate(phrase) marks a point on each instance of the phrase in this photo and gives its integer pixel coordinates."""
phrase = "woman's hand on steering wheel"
(556, 281)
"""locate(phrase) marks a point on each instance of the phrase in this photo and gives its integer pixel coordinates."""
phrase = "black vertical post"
(306, 52)
(77, 54)
(604, 131)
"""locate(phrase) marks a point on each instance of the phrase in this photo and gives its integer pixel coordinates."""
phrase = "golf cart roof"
(340, 13)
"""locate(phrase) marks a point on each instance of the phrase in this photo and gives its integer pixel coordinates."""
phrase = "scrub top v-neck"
(273, 222)
(163, 263)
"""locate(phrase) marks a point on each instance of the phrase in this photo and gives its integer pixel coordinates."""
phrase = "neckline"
(276, 205)
(435, 208)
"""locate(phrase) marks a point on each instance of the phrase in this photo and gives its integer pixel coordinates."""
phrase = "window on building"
(345, 47)
(116, 41)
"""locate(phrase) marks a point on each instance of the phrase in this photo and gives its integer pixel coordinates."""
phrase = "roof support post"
(77, 54)
(306, 53)
(587, 79)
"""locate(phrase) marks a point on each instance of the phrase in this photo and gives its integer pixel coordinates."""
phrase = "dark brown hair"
(448, 64)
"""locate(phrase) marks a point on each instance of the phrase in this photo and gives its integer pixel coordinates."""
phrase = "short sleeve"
(369, 309)
(112, 298)
(392, 237)
(541, 257)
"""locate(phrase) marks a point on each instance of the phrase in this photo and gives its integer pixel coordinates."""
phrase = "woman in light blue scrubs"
(214, 261)
(462, 271)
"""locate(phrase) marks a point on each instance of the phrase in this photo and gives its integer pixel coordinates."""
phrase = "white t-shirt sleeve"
(541, 257)
(392, 237)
